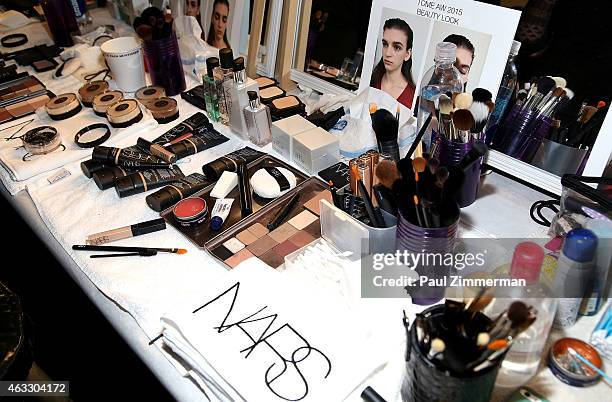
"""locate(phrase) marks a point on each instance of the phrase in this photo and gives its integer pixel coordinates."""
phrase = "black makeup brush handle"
(391, 148)
(369, 395)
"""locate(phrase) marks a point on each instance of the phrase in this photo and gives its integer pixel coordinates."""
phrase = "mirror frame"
(275, 15)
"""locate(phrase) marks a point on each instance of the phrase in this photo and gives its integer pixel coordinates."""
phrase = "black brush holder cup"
(426, 381)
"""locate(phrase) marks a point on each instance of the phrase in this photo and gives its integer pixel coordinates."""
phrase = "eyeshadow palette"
(251, 238)
(21, 97)
(201, 234)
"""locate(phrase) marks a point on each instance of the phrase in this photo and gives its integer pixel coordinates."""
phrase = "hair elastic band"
(96, 142)
(14, 40)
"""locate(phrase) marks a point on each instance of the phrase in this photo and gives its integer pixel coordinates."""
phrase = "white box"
(283, 132)
(315, 150)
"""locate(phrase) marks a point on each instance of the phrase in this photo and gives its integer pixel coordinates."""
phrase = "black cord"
(90, 77)
(536, 211)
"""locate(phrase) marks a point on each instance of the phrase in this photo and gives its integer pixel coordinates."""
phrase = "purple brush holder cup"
(523, 135)
(164, 64)
(450, 153)
(416, 239)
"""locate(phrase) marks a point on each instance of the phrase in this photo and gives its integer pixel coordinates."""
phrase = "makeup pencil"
(126, 232)
(125, 249)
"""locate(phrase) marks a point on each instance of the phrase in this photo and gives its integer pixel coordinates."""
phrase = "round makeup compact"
(90, 90)
(164, 110)
(287, 106)
(150, 93)
(124, 113)
(566, 364)
(191, 211)
(41, 140)
(103, 101)
(272, 181)
(63, 106)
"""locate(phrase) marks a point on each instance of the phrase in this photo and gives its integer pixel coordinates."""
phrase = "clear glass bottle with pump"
(258, 121)
(442, 78)
(224, 73)
(236, 91)
(506, 90)
(523, 358)
(211, 97)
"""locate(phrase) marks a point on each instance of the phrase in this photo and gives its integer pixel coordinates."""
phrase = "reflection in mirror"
(554, 115)
(332, 38)
(268, 42)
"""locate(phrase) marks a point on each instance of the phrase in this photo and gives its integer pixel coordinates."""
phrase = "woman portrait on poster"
(217, 33)
(393, 74)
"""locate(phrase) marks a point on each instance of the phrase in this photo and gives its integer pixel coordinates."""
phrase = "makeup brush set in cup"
(528, 123)
(454, 351)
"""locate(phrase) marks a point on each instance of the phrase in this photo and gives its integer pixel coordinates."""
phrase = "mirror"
(268, 44)
(228, 23)
(329, 46)
(574, 138)
(544, 55)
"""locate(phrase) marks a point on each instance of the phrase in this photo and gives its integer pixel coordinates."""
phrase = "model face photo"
(219, 21)
(464, 63)
(395, 51)
(192, 8)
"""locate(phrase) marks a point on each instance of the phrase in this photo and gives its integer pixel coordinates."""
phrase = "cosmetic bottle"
(258, 121)
(442, 78)
(523, 358)
(223, 74)
(238, 98)
(574, 274)
(596, 295)
(61, 21)
(505, 91)
(211, 97)
(199, 68)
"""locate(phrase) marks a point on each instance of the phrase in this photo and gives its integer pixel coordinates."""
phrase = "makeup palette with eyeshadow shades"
(250, 237)
(21, 97)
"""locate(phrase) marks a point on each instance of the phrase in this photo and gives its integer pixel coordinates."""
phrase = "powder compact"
(41, 140)
(190, 212)
(103, 101)
(63, 106)
(286, 106)
(124, 113)
(164, 110)
(40, 66)
(265, 82)
(90, 90)
(150, 93)
(267, 95)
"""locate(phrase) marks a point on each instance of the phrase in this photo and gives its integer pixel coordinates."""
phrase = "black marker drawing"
(289, 365)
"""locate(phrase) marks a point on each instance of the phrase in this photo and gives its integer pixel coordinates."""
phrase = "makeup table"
(502, 210)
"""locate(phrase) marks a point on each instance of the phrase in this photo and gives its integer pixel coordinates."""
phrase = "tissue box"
(283, 132)
(315, 150)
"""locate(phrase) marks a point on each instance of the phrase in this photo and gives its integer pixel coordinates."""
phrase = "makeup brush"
(374, 221)
(479, 149)
(483, 339)
(545, 109)
(437, 347)
(386, 126)
(601, 104)
(418, 167)
(284, 212)
(521, 97)
(481, 95)
(373, 108)
(444, 120)
(480, 112)
(463, 101)
(87, 247)
(397, 113)
(387, 173)
(560, 82)
(545, 85)
(463, 122)
(419, 137)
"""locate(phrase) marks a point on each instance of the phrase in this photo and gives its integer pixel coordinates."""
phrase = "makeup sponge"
(272, 182)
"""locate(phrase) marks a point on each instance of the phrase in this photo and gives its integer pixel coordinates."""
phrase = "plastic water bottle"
(505, 91)
(442, 78)
(523, 357)
(200, 68)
